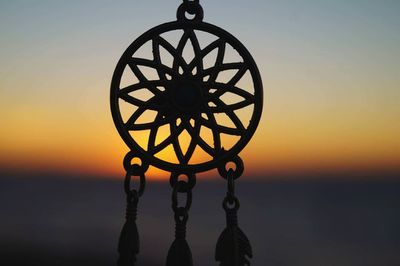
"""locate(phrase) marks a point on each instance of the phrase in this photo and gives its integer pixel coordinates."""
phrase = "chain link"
(177, 189)
(181, 211)
(230, 194)
(231, 202)
(129, 182)
(134, 170)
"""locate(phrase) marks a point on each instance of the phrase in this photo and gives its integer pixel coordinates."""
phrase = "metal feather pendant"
(179, 253)
(128, 246)
(233, 247)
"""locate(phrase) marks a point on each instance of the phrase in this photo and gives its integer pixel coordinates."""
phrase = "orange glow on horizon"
(289, 146)
(91, 146)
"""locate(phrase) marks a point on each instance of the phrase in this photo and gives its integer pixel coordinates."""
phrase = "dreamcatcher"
(186, 97)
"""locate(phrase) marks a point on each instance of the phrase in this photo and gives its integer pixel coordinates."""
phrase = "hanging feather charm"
(233, 247)
(128, 246)
(179, 253)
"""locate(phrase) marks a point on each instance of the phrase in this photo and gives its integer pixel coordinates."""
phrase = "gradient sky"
(331, 73)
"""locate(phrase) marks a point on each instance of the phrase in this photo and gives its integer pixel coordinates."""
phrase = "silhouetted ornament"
(186, 97)
(233, 247)
(128, 246)
(191, 78)
(179, 253)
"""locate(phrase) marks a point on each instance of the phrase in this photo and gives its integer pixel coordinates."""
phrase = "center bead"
(186, 96)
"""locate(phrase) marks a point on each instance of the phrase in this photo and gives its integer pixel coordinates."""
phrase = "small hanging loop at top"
(190, 8)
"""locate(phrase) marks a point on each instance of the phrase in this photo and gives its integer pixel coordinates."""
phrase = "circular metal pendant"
(191, 101)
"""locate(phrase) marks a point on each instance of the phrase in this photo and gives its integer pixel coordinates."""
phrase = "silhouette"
(200, 115)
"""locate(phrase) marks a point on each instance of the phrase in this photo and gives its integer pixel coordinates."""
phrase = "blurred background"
(321, 185)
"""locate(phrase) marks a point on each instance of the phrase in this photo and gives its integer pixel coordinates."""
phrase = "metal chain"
(181, 211)
(231, 202)
(134, 170)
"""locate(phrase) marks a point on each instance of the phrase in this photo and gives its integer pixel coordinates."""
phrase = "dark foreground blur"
(77, 222)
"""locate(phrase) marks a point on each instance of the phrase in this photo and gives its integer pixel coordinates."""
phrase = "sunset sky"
(331, 74)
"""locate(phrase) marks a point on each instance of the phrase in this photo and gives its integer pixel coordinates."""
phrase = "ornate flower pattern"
(187, 95)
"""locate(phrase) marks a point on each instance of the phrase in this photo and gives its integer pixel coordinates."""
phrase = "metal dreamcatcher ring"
(188, 92)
